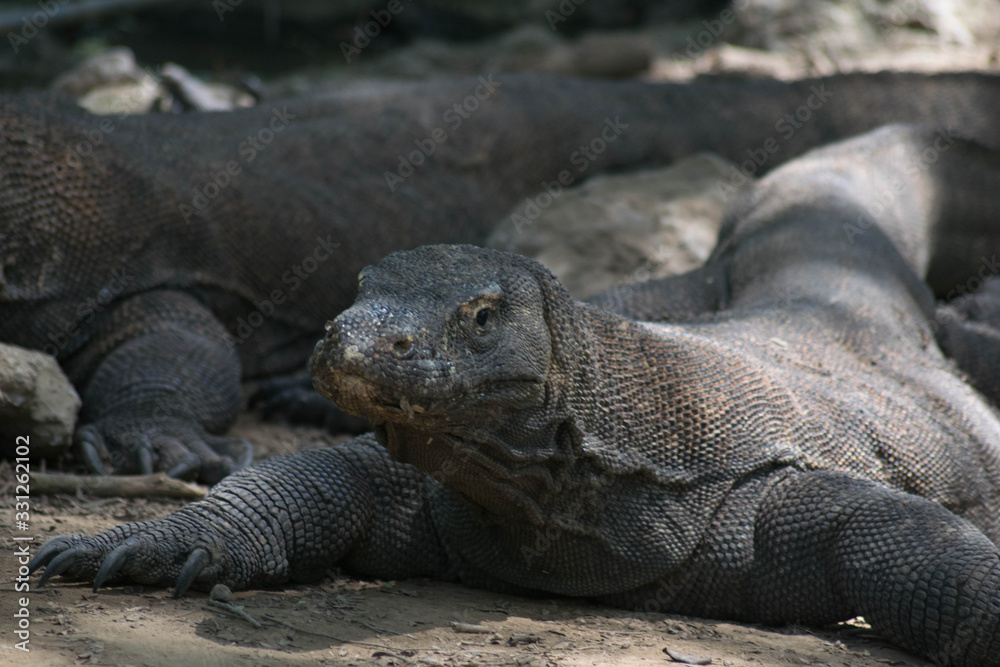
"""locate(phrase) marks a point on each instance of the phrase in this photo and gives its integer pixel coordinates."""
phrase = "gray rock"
(222, 593)
(835, 26)
(528, 48)
(621, 229)
(201, 96)
(113, 83)
(36, 400)
(112, 67)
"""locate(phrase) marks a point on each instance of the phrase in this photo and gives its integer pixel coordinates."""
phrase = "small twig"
(687, 659)
(129, 486)
(472, 628)
(278, 621)
(226, 606)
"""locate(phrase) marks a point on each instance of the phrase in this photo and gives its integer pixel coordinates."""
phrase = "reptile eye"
(483, 316)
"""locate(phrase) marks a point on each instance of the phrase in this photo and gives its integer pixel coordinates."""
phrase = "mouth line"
(380, 395)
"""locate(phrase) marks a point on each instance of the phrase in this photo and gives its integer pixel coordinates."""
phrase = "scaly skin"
(130, 244)
(800, 459)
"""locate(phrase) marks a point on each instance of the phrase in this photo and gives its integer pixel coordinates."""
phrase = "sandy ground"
(346, 621)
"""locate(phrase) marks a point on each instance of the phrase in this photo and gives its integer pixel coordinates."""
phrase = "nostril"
(403, 347)
(331, 329)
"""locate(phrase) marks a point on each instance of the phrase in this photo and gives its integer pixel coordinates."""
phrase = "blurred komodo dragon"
(138, 250)
(793, 448)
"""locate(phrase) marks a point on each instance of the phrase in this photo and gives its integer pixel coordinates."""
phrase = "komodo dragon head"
(445, 341)
(454, 348)
(477, 367)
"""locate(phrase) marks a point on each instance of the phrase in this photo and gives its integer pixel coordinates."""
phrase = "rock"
(113, 83)
(602, 56)
(729, 60)
(36, 400)
(792, 39)
(836, 27)
(529, 47)
(526, 48)
(620, 229)
(201, 96)
(125, 98)
(112, 67)
(222, 593)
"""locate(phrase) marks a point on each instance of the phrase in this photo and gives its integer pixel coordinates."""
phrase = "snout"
(367, 357)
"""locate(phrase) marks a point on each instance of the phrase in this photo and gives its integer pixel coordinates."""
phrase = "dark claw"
(88, 439)
(145, 456)
(48, 551)
(59, 564)
(182, 448)
(189, 464)
(295, 405)
(294, 400)
(273, 393)
(113, 563)
(197, 561)
(235, 454)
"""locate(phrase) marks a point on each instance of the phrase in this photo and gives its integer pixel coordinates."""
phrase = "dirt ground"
(346, 621)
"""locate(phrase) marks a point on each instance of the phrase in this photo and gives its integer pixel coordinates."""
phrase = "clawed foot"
(181, 448)
(143, 558)
(293, 398)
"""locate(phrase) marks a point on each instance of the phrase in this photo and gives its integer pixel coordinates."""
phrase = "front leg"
(829, 545)
(159, 377)
(288, 518)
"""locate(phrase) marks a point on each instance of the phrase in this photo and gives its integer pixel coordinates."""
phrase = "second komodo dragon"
(225, 240)
(793, 449)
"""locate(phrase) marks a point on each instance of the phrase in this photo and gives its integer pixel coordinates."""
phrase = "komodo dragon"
(798, 459)
(138, 250)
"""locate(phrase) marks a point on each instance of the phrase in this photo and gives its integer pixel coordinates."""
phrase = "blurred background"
(173, 56)
(152, 56)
